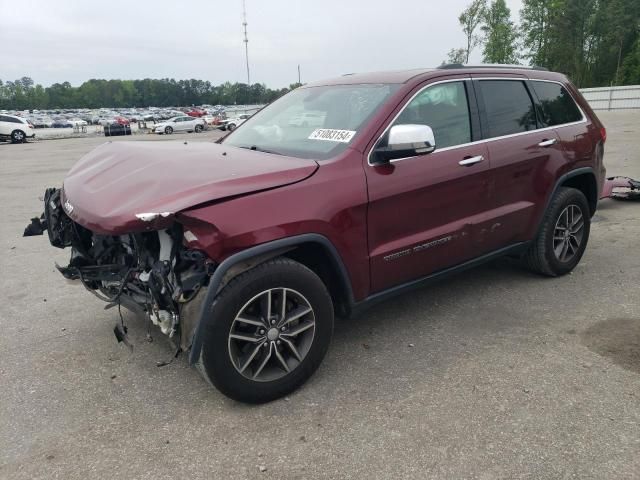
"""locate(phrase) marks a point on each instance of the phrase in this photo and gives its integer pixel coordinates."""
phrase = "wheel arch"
(587, 184)
(313, 250)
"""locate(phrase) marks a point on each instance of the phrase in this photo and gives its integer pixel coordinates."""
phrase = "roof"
(404, 76)
(393, 76)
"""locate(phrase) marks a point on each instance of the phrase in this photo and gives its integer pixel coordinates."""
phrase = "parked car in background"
(231, 124)
(308, 119)
(61, 123)
(180, 124)
(15, 128)
(195, 112)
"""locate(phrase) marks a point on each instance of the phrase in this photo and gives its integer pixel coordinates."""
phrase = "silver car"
(180, 124)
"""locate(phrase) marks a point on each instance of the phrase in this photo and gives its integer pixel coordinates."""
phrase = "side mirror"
(405, 141)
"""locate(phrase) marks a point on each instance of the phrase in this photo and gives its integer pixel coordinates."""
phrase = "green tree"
(457, 55)
(535, 27)
(630, 71)
(500, 34)
(470, 19)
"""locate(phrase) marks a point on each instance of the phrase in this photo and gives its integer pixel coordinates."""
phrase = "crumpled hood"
(109, 186)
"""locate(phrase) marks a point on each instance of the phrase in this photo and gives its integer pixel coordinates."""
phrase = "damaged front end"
(152, 273)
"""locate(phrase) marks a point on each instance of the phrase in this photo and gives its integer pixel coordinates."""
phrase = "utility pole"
(299, 75)
(246, 40)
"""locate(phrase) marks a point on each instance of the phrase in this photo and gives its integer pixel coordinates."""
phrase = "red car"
(244, 251)
(194, 112)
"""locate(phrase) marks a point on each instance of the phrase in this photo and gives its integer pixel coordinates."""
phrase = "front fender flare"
(284, 243)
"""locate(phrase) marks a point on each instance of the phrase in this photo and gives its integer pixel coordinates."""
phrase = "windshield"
(313, 122)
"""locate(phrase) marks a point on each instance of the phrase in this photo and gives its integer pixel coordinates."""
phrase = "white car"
(16, 128)
(231, 123)
(308, 119)
(180, 124)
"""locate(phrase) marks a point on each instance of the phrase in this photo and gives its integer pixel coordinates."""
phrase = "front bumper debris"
(151, 273)
(621, 188)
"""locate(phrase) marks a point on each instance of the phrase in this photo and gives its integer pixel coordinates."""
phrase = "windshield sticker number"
(343, 136)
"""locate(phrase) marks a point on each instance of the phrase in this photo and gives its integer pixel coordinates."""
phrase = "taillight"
(603, 134)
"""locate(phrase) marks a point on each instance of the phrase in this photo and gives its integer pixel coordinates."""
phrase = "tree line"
(23, 94)
(593, 42)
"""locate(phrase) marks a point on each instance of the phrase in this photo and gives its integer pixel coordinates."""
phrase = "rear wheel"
(168, 130)
(18, 136)
(267, 332)
(563, 236)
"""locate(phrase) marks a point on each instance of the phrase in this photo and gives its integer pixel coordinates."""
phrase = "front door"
(422, 209)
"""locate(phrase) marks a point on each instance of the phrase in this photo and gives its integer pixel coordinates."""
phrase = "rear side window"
(508, 107)
(556, 104)
(444, 107)
(9, 119)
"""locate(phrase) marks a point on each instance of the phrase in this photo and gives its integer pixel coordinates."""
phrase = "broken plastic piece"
(120, 332)
(621, 188)
(37, 227)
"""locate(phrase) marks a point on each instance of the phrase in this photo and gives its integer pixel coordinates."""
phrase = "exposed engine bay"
(150, 273)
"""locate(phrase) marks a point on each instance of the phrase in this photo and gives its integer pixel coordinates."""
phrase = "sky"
(71, 40)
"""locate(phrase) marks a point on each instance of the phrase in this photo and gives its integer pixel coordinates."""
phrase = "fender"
(262, 249)
(559, 182)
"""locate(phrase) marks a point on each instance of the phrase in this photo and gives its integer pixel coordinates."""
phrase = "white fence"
(612, 98)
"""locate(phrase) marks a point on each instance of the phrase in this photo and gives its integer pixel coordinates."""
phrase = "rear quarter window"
(556, 104)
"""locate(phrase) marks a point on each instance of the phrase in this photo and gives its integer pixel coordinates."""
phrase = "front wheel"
(563, 236)
(267, 332)
(168, 130)
(18, 136)
(198, 128)
(231, 127)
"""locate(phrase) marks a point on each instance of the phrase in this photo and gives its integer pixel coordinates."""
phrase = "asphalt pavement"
(495, 373)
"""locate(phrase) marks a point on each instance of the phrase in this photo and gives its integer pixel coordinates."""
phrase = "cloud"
(75, 41)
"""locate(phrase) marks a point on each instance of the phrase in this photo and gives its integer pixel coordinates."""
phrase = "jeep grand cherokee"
(243, 251)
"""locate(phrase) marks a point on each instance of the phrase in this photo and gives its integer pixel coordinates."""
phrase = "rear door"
(184, 123)
(559, 110)
(422, 209)
(524, 158)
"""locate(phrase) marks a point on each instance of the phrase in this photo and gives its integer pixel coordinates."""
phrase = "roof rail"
(453, 66)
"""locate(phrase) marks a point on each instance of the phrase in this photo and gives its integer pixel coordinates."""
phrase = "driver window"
(444, 107)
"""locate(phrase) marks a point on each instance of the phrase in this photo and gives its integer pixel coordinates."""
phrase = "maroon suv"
(243, 251)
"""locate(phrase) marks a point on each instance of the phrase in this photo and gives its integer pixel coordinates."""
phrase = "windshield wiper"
(255, 148)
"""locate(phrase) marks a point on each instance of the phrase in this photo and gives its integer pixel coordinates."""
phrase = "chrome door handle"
(466, 162)
(547, 143)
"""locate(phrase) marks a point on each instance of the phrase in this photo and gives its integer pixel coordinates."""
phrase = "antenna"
(246, 40)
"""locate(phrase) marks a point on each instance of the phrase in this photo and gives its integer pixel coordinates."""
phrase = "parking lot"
(495, 373)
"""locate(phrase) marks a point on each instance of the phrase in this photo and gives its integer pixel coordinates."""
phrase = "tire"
(263, 377)
(231, 127)
(198, 128)
(168, 130)
(550, 254)
(18, 136)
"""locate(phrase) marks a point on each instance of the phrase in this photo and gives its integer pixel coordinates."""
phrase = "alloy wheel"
(568, 233)
(271, 334)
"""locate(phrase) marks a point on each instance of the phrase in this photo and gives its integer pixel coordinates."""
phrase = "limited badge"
(331, 135)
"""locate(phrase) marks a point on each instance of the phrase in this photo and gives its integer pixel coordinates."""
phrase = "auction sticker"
(332, 135)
